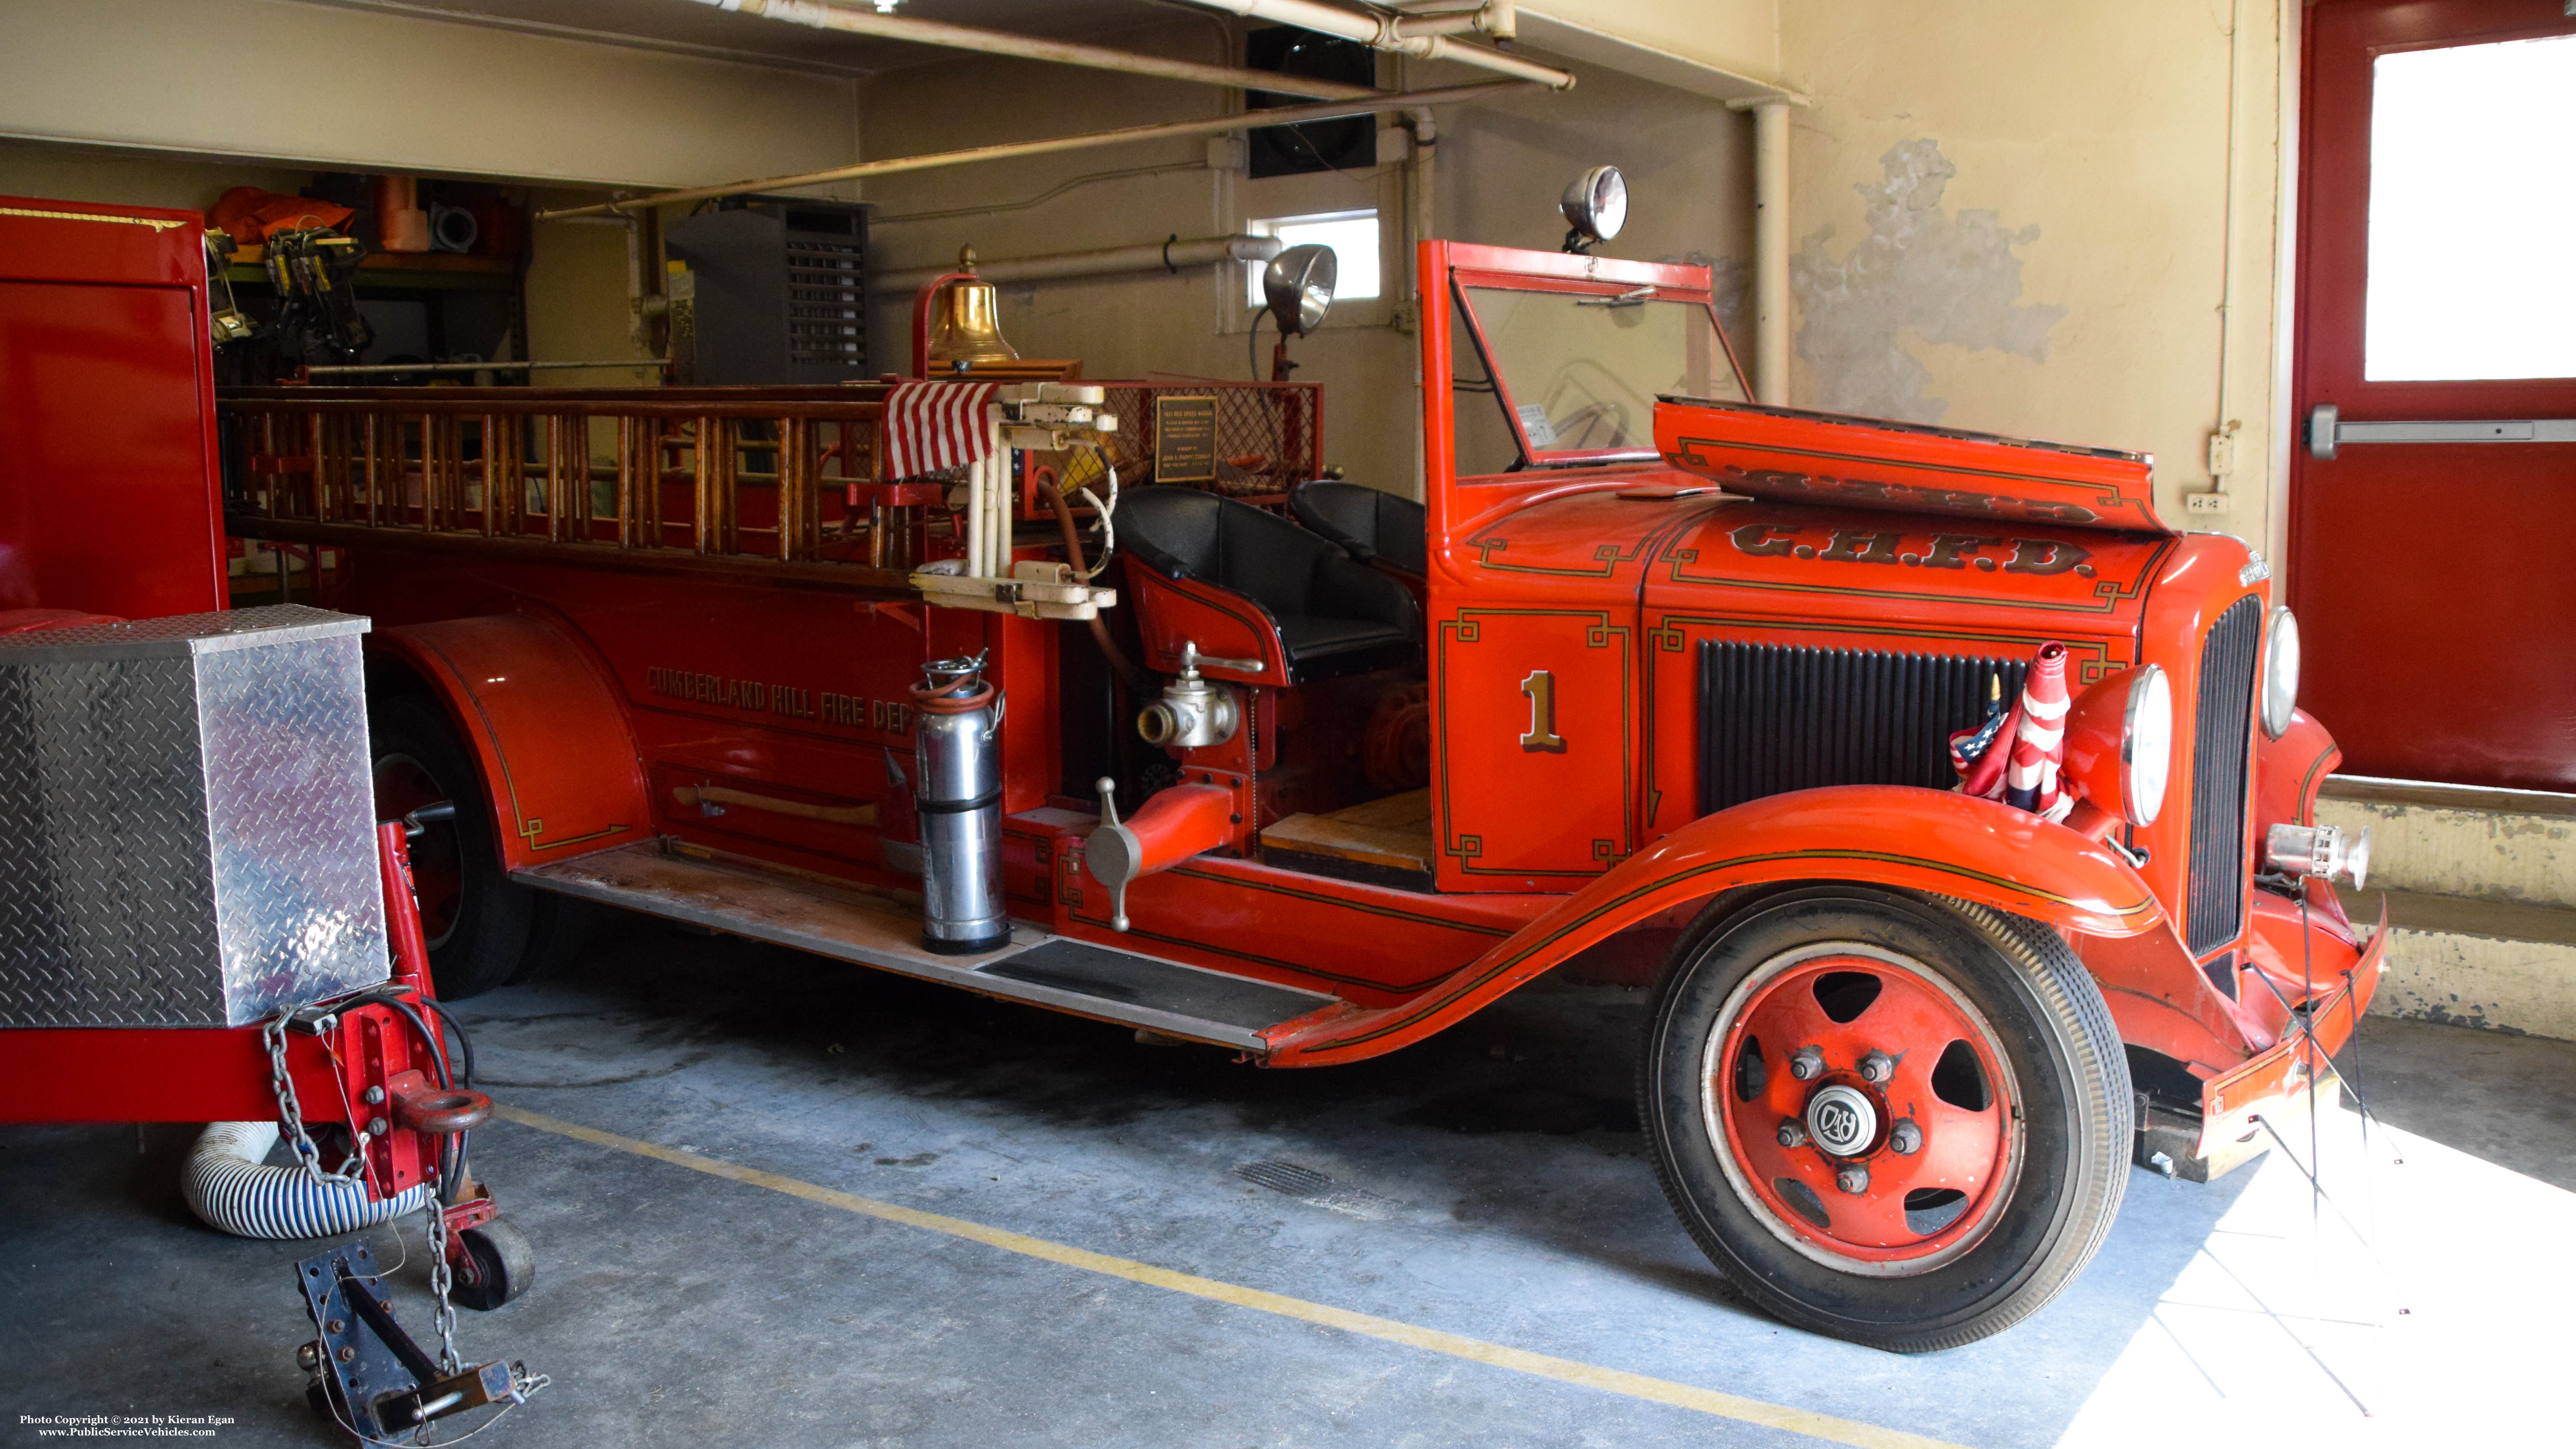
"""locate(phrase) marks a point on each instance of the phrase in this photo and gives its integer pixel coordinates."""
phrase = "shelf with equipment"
(409, 271)
(425, 307)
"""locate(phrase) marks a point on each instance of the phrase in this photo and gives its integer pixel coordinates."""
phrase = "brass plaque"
(1185, 440)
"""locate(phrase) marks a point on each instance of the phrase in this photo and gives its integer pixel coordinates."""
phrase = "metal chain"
(290, 1112)
(439, 1281)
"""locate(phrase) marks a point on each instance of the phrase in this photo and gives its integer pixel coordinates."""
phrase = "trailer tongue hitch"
(368, 1373)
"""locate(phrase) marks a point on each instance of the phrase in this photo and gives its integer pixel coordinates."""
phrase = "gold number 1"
(1541, 689)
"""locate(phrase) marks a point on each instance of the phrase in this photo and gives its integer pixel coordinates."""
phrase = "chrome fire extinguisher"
(957, 767)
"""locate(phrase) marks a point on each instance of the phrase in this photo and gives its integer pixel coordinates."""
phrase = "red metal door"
(2433, 488)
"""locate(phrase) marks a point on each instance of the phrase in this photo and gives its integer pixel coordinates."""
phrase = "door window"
(2470, 213)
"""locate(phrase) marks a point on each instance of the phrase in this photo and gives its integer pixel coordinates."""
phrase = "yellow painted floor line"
(1562, 1370)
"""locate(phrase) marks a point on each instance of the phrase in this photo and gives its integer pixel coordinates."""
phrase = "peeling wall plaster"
(1731, 283)
(1945, 278)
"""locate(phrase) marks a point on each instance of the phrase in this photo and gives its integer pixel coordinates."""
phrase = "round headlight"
(2146, 746)
(1595, 205)
(2280, 672)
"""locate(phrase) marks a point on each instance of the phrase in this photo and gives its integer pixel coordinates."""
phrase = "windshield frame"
(1463, 279)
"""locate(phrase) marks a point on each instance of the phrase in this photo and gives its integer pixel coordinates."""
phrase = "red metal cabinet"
(109, 500)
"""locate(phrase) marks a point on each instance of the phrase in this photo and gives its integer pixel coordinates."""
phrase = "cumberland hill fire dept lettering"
(885, 716)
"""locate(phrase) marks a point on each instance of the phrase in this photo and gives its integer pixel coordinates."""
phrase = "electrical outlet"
(2211, 501)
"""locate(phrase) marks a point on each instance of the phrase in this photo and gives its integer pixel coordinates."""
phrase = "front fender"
(2289, 771)
(545, 724)
(1890, 835)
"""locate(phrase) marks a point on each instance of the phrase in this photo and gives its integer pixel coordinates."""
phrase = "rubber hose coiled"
(230, 1186)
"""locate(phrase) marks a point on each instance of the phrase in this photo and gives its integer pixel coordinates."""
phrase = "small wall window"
(1351, 234)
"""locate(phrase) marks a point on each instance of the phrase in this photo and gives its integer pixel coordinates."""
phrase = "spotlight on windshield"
(1597, 205)
(1298, 285)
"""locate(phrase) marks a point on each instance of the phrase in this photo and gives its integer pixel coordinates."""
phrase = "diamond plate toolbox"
(187, 820)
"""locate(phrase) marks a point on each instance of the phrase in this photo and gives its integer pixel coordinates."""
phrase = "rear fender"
(544, 723)
(1921, 840)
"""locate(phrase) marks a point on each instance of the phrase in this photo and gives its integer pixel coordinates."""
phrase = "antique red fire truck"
(1654, 677)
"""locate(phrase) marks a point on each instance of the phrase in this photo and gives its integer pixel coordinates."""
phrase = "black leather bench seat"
(1369, 523)
(1334, 616)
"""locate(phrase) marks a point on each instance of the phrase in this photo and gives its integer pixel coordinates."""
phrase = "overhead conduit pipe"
(1424, 37)
(1162, 256)
(1013, 150)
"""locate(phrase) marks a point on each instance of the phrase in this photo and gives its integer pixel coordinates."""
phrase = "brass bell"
(966, 324)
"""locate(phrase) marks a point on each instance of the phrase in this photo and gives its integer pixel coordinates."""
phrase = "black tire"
(2058, 1123)
(505, 1266)
(481, 925)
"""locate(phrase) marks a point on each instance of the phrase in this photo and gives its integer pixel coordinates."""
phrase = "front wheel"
(1891, 1118)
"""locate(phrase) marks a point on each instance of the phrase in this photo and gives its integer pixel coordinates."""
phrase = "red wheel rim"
(1944, 1075)
(403, 785)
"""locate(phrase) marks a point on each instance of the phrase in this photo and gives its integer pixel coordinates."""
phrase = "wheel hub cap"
(1821, 1158)
(1842, 1120)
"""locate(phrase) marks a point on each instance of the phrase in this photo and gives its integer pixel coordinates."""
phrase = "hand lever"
(1124, 850)
(1191, 659)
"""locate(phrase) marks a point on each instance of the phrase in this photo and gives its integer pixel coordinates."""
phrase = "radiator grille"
(827, 321)
(2221, 741)
(1776, 717)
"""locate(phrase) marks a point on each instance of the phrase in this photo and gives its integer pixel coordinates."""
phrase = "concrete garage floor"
(1483, 1197)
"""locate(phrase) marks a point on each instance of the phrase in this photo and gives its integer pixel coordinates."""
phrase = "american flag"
(931, 427)
(2023, 772)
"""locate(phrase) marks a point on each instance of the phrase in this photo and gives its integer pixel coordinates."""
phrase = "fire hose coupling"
(2317, 850)
(1194, 713)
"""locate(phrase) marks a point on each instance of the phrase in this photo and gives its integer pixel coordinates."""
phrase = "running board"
(1038, 967)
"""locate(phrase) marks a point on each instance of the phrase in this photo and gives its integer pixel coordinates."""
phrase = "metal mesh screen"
(1269, 436)
(1777, 717)
(2221, 750)
(827, 319)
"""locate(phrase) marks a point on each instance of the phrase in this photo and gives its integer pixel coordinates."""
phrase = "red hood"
(1801, 457)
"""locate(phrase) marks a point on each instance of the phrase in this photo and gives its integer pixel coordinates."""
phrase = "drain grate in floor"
(1314, 1188)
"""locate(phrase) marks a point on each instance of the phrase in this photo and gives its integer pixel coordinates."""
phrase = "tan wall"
(350, 89)
(132, 178)
(1739, 35)
(2014, 215)
(576, 298)
(1501, 167)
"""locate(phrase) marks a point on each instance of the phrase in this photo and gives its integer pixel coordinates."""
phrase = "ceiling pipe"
(1012, 150)
(1496, 20)
(1162, 256)
(1424, 37)
(822, 16)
